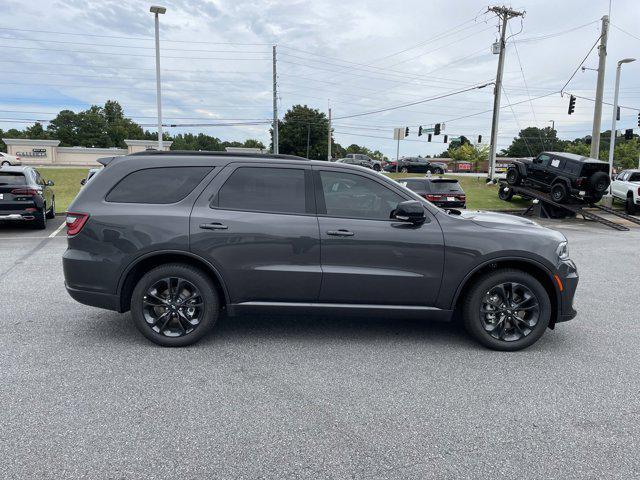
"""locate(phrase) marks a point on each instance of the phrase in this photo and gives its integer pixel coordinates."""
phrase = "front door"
(256, 224)
(367, 257)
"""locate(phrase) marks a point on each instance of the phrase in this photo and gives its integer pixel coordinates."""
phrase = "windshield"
(12, 178)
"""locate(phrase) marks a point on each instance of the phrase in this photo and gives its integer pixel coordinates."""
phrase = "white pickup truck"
(626, 187)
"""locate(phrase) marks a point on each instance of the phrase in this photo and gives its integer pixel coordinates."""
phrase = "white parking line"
(62, 225)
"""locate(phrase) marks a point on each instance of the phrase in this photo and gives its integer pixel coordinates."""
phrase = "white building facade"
(48, 152)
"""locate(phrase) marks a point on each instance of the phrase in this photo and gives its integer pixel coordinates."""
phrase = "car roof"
(432, 179)
(193, 153)
(15, 169)
(574, 157)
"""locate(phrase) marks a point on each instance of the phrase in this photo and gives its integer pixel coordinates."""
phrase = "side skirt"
(395, 311)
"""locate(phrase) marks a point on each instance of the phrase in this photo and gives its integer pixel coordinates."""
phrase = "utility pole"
(597, 111)
(329, 138)
(156, 10)
(504, 14)
(276, 148)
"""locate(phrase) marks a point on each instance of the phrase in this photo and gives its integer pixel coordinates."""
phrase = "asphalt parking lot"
(84, 395)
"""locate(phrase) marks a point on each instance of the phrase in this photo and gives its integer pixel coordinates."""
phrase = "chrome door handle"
(340, 233)
(213, 226)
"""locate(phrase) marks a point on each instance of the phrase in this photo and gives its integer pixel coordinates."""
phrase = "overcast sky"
(358, 55)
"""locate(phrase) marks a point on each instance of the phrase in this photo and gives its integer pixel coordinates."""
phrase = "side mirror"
(410, 211)
(50, 183)
(83, 181)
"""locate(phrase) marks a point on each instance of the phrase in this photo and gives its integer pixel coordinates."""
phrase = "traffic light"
(446, 137)
(479, 138)
(436, 129)
(572, 104)
(639, 119)
(406, 132)
(420, 131)
(628, 134)
(618, 114)
(429, 138)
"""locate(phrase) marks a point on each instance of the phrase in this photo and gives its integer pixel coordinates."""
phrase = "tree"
(63, 128)
(36, 132)
(299, 123)
(533, 140)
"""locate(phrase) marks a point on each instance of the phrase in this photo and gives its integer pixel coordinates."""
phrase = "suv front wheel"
(507, 310)
(513, 176)
(174, 305)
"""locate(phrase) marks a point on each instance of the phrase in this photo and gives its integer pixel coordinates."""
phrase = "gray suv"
(179, 237)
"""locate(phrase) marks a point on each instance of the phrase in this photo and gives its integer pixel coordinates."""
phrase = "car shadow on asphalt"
(119, 328)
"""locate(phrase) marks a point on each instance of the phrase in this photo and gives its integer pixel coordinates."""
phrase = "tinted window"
(446, 187)
(354, 196)
(415, 185)
(157, 185)
(12, 178)
(275, 190)
(634, 177)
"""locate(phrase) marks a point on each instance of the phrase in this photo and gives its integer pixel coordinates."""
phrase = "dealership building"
(48, 152)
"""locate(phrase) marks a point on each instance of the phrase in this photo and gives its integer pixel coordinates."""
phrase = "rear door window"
(157, 185)
(260, 189)
(12, 178)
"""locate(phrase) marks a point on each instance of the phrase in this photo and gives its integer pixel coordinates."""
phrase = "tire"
(148, 311)
(513, 176)
(487, 331)
(5, 163)
(630, 206)
(52, 211)
(376, 167)
(599, 182)
(506, 196)
(40, 222)
(404, 170)
(559, 192)
(597, 197)
(438, 171)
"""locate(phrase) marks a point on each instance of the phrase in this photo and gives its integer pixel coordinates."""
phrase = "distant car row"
(415, 165)
(7, 160)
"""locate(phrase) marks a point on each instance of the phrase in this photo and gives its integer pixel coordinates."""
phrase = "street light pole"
(156, 10)
(612, 141)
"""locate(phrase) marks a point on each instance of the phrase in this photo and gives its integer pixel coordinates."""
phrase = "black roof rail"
(215, 153)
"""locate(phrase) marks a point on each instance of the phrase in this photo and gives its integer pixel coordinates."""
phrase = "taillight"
(579, 181)
(75, 222)
(432, 198)
(25, 192)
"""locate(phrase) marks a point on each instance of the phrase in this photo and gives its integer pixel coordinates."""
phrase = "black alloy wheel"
(559, 192)
(505, 193)
(509, 311)
(52, 211)
(174, 305)
(506, 309)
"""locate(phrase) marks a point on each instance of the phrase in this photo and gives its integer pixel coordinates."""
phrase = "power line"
(583, 60)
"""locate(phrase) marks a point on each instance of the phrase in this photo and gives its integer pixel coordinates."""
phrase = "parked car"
(362, 160)
(90, 174)
(414, 165)
(441, 165)
(443, 192)
(7, 160)
(626, 187)
(177, 237)
(26, 197)
(563, 175)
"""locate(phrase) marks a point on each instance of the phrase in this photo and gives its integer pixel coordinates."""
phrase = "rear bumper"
(17, 217)
(94, 299)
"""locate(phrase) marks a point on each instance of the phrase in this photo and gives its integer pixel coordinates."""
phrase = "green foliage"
(531, 141)
(301, 123)
(470, 153)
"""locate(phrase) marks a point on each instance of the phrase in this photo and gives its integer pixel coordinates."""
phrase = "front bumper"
(568, 275)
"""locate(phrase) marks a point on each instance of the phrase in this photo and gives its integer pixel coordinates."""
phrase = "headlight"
(563, 251)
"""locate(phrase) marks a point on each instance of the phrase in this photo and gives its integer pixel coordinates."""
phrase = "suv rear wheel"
(174, 305)
(513, 176)
(559, 192)
(506, 310)
(505, 193)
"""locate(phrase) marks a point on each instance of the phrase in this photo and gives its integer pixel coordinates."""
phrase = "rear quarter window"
(157, 185)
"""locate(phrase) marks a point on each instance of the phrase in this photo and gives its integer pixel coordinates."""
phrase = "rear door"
(256, 224)
(368, 258)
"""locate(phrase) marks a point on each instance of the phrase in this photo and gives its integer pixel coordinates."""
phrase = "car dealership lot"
(83, 394)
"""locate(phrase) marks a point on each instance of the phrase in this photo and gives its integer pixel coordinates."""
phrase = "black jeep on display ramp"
(562, 175)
